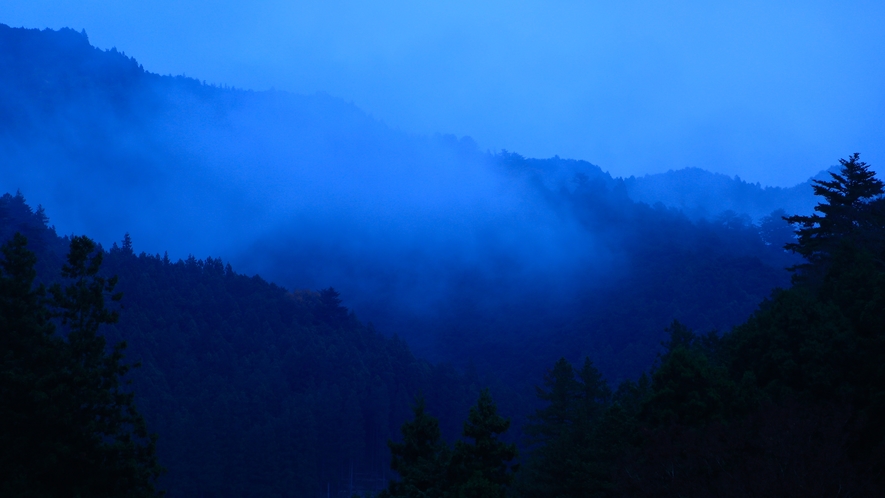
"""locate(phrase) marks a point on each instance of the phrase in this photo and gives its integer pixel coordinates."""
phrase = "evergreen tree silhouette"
(846, 214)
(421, 459)
(481, 468)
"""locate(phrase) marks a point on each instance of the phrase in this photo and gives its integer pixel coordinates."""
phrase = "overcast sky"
(771, 91)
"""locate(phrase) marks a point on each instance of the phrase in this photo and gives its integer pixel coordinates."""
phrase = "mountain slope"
(497, 260)
(253, 390)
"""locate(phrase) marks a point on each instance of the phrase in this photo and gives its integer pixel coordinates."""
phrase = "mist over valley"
(295, 272)
(310, 192)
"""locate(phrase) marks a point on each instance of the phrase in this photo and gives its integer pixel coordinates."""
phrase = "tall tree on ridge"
(844, 215)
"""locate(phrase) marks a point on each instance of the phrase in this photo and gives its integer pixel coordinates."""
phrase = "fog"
(459, 249)
(755, 89)
(307, 191)
(469, 178)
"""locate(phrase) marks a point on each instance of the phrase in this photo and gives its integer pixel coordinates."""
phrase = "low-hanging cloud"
(308, 191)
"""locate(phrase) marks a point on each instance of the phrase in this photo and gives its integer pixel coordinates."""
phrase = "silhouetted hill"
(311, 192)
(493, 262)
(255, 390)
(106, 144)
(701, 194)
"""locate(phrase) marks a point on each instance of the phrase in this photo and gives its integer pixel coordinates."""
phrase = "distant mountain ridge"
(71, 114)
(698, 193)
(311, 192)
(702, 194)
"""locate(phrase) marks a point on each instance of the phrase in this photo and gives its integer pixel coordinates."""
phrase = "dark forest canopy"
(254, 390)
(492, 265)
(69, 427)
(789, 403)
(246, 379)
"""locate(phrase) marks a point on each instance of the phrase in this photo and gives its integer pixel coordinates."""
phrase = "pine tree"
(561, 392)
(421, 460)
(688, 387)
(481, 468)
(594, 393)
(567, 460)
(846, 215)
(27, 344)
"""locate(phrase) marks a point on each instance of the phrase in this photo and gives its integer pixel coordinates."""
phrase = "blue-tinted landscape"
(376, 281)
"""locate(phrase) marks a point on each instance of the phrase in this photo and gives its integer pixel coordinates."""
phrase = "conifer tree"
(567, 460)
(594, 393)
(560, 391)
(481, 467)
(845, 215)
(421, 460)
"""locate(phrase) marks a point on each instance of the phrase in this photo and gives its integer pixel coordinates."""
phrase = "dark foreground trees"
(566, 460)
(67, 425)
(479, 466)
(421, 459)
(790, 403)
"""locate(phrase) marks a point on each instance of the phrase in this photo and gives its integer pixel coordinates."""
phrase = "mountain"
(454, 249)
(489, 266)
(495, 263)
(701, 194)
(254, 390)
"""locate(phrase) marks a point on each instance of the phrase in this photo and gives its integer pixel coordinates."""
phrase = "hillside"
(457, 251)
(253, 389)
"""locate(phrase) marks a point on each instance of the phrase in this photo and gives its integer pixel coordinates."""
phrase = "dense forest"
(480, 324)
(789, 403)
(429, 238)
(258, 391)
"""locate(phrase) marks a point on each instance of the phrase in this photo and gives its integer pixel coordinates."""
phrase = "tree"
(69, 428)
(329, 307)
(421, 460)
(560, 391)
(846, 215)
(568, 461)
(688, 387)
(481, 468)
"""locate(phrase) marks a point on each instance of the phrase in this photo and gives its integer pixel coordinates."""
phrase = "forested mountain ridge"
(788, 403)
(457, 251)
(496, 263)
(57, 78)
(701, 194)
(255, 391)
(145, 140)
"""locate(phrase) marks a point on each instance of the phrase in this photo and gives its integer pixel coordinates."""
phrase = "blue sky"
(770, 91)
